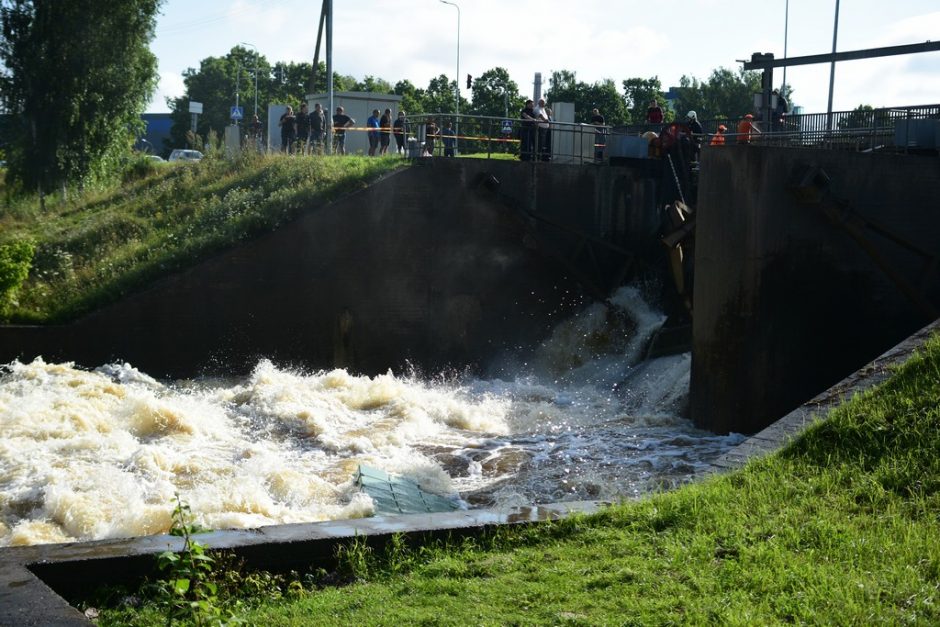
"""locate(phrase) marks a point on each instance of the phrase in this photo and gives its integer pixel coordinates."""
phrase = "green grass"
(842, 527)
(103, 245)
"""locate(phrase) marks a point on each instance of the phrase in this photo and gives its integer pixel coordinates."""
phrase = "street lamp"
(457, 78)
(245, 43)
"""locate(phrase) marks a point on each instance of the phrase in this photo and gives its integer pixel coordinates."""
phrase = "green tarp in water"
(396, 495)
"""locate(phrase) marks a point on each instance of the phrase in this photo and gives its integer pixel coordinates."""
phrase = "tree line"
(724, 94)
(74, 78)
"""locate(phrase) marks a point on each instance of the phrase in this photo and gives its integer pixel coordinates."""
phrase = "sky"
(596, 39)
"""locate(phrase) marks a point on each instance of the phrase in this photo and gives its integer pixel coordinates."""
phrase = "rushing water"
(100, 454)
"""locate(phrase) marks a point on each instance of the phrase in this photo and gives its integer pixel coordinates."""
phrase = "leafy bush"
(15, 260)
(139, 167)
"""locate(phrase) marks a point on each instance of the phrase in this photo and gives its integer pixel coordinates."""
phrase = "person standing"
(544, 116)
(317, 129)
(600, 141)
(341, 122)
(372, 123)
(527, 132)
(654, 114)
(430, 133)
(385, 125)
(696, 131)
(255, 131)
(781, 109)
(303, 129)
(288, 129)
(747, 129)
(398, 129)
(718, 139)
(449, 139)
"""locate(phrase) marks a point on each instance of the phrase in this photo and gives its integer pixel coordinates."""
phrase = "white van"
(181, 154)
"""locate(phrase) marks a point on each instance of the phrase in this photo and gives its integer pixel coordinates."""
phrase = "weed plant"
(839, 528)
(96, 248)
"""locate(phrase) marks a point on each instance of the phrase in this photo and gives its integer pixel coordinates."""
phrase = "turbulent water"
(100, 454)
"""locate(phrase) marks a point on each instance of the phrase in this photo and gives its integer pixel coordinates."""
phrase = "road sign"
(506, 127)
(237, 113)
(195, 107)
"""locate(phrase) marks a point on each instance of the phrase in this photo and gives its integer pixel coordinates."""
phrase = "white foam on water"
(100, 454)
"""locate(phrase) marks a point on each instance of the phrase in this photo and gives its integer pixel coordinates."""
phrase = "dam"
(492, 268)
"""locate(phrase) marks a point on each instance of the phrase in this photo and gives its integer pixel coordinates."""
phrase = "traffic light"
(469, 81)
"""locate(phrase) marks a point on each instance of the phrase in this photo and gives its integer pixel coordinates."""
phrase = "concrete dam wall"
(427, 266)
(808, 264)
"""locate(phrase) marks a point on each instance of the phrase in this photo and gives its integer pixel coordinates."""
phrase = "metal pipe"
(245, 43)
(328, 7)
(457, 81)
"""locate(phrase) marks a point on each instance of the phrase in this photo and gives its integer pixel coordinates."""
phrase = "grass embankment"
(842, 527)
(105, 244)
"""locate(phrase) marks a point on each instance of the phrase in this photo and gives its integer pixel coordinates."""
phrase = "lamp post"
(245, 43)
(457, 78)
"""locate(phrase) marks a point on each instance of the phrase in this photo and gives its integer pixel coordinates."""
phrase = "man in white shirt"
(544, 115)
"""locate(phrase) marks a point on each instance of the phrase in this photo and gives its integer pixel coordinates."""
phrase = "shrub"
(15, 260)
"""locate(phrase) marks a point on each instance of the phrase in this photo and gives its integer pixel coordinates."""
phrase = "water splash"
(100, 454)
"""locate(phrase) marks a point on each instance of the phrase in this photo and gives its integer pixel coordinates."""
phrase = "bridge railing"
(496, 137)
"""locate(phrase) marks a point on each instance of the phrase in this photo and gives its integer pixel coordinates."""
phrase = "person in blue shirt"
(373, 124)
(449, 139)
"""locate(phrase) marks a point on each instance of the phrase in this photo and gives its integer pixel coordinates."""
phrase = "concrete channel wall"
(793, 287)
(428, 266)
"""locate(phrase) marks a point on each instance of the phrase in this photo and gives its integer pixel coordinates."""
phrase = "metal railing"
(843, 130)
(497, 137)
(578, 143)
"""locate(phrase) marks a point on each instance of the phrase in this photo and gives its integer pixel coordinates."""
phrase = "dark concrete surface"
(35, 581)
(794, 423)
(785, 301)
(424, 267)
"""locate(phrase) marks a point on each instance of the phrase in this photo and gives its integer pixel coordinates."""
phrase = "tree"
(441, 96)
(76, 75)
(726, 94)
(495, 94)
(375, 85)
(215, 82)
(602, 95)
(412, 98)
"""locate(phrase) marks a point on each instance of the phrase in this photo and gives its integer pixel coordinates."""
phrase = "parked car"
(182, 154)
(156, 158)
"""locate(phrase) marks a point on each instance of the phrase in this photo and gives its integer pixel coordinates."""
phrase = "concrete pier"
(794, 288)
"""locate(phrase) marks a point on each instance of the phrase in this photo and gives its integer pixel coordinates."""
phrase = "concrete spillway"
(423, 266)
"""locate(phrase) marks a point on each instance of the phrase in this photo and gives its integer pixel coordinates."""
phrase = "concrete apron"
(32, 578)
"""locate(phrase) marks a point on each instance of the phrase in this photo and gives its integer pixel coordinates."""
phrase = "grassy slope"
(96, 249)
(842, 527)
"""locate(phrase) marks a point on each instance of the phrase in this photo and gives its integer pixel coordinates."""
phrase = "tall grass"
(96, 248)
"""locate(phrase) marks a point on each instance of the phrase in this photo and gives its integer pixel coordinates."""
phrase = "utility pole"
(832, 69)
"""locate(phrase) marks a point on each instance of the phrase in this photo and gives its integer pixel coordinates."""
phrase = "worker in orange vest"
(746, 129)
(718, 139)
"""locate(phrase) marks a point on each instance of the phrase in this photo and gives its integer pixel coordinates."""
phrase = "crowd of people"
(304, 132)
